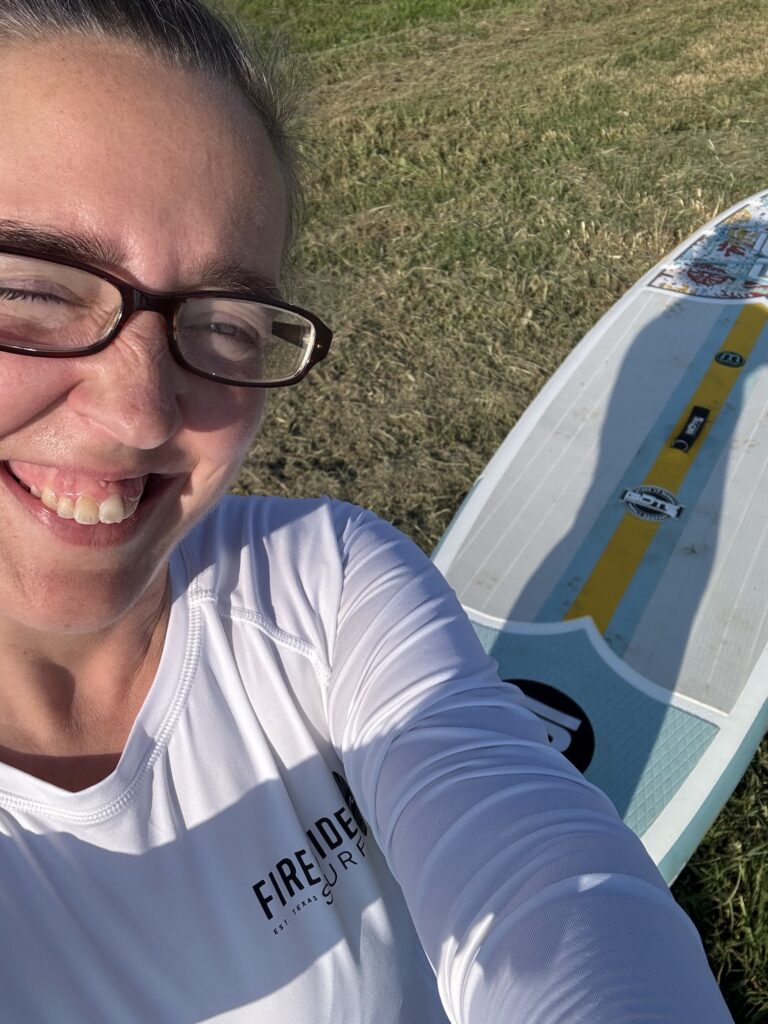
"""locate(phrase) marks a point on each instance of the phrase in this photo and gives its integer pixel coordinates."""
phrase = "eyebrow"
(231, 276)
(68, 245)
(217, 273)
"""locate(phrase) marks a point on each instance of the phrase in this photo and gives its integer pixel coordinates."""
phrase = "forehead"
(164, 164)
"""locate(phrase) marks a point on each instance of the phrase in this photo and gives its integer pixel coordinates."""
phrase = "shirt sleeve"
(533, 901)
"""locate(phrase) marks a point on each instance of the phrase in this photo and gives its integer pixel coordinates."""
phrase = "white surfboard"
(613, 556)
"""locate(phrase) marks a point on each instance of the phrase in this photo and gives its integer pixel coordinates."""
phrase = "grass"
(487, 181)
(318, 26)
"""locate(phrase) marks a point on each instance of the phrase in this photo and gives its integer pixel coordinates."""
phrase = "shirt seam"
(275, 633)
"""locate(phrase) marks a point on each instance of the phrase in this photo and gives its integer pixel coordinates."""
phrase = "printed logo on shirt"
(336, 845)
(350, 801)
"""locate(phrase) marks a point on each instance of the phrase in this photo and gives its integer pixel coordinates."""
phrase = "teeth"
(112, 510)
(66, 508)
(35, 491)
(49, 499)
(86, 511)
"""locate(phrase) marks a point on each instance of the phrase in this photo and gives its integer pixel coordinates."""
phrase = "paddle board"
(613, 556)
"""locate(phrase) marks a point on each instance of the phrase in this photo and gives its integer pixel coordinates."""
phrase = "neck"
(67, 700)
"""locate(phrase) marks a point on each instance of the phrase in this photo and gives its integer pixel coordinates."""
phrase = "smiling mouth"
(86, 507)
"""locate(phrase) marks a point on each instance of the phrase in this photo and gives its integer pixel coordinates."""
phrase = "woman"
(195, 686)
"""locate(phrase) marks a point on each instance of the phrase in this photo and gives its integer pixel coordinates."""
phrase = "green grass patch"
(487, 181)
(316, 25)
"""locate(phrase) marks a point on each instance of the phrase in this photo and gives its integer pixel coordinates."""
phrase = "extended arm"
(533, 901)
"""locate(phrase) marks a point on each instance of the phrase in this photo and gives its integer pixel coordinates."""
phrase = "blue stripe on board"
(640, 591)
(560, 599)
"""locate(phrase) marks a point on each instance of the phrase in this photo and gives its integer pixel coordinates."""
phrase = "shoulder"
(277, 527)
(290, 557)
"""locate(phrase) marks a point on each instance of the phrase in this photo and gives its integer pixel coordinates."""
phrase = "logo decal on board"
(654, 503)
(732, 359)
(693, 427)
(568, 727)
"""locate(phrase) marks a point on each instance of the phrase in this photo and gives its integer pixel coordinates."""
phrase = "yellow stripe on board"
(616, 567)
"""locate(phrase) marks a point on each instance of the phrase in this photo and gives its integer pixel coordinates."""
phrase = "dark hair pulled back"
(189, 34)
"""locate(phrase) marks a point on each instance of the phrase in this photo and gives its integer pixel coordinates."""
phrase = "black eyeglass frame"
(135, 300)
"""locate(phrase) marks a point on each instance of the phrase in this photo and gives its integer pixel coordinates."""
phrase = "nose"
(131, 391)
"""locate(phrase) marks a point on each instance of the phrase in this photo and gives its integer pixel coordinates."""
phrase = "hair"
(191, 35)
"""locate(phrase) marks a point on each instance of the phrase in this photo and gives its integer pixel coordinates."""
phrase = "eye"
(226, 334)
(231, 330)
(20, 295)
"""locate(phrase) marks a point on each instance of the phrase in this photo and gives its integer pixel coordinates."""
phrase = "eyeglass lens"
(47, 307)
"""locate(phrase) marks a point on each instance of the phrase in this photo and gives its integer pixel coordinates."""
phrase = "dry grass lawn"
(485, 183)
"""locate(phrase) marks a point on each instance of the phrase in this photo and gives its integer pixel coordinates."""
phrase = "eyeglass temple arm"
(292, 333)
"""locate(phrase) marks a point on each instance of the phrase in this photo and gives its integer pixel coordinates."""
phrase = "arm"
(533, 901)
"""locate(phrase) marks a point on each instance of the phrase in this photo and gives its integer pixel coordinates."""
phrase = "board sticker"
(728, 262)
(732, 359)
(568, 728)
(652, 503)
(686, 439)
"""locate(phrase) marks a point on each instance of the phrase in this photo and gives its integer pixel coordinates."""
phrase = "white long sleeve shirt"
(225, 872)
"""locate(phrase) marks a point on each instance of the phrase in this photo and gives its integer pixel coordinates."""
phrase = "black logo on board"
(732, 359)
(654, 503)
(688, 436)
(568, 727)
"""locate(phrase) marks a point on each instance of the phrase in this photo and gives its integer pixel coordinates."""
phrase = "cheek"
(218, 422)
(226, 427)
(28, 388)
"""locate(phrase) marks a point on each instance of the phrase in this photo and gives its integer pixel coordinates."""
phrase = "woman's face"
(173, 180)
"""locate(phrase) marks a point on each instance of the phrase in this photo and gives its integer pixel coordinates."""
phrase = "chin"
(64, 606)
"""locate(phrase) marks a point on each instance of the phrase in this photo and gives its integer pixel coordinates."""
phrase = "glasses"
(63, 308)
